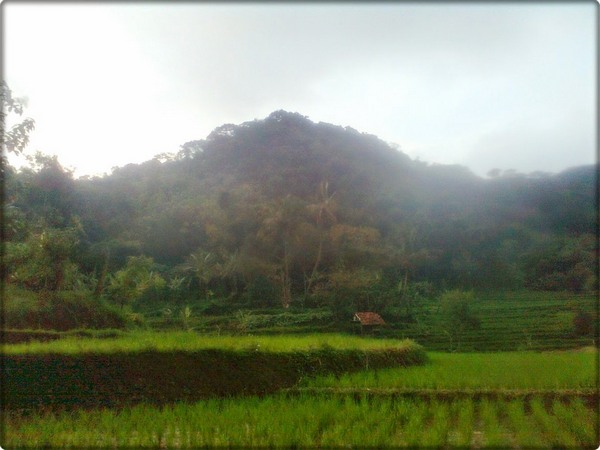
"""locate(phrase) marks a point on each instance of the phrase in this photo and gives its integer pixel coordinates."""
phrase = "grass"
(478, 371)
(311, 421)
(140, 341)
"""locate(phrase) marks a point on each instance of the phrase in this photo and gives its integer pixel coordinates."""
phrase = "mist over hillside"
(298, 208)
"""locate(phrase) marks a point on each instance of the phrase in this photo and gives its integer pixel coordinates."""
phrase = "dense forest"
(285, 212)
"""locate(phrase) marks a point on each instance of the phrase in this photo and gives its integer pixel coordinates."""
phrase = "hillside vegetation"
(284, 212)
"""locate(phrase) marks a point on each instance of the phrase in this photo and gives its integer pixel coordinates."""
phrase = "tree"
(43, 261)
(323, 211)
(16, 138)
(278, 234)
(456, 314)
(562, 263)
(134, 279)
(350, 290)
(583, 323)
(204, 267)
(47, 191)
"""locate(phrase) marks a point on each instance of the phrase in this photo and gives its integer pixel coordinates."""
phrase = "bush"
(583, 323)
(261, 292)
(20, 336)
(217, 307)
(59, 311)
(20, 308)
(456, 314)
(69, 310)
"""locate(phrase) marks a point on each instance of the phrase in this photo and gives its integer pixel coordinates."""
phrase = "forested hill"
(306, 208)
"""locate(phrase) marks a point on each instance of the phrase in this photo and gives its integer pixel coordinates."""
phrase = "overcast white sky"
(486, 85)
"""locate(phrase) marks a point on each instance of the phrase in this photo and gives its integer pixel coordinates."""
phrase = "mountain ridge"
(260, 192)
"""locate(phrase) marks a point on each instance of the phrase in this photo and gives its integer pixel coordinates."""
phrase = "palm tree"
(279, 227)
(204, 266)
(324, 211)
(324, 207)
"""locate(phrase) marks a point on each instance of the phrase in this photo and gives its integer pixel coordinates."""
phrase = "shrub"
(69, 310)
(261, 292)
(20, 308)
(583, 323)
(456, 314)
(59, 311)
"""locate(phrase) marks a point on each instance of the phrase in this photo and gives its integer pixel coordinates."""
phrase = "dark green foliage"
(70, 310)
(563, 264)
(61, 311)
(583, 323)
(456, 315)
(32, 381)
(20, 336)
(261, 292)
(44, 260)
(15, 138)
(136, 279)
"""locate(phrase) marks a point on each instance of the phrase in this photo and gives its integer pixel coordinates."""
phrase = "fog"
(506, 85)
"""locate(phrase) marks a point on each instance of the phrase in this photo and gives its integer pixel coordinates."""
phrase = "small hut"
(369, 321)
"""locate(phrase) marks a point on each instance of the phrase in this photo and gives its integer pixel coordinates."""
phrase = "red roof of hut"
(369, 318)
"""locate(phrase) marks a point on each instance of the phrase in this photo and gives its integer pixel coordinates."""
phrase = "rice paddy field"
(172, 341)
(519, 320)
(511, 320)
(472, 400)
(554, 371)
(523, 379)
(314, 421)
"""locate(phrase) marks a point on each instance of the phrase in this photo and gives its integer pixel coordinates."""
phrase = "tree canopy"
(299, 211)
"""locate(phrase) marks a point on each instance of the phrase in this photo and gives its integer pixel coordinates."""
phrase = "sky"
(484, 85)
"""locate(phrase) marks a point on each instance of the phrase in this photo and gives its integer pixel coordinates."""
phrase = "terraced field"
(510, 321)
(492, 400)
(555, 371)
(315, 421)
(523, 320)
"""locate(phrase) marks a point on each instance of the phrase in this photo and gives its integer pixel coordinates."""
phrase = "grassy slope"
(510, 321)
(508, 370)
(523, 320)
(188, 341)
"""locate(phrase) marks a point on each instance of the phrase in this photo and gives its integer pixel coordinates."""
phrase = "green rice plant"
(492, 431)
(139, 341)
(476, 371)
(401, 412)
(577, 419)
(436, 432)
(463, 414)
(551, 427)
(509, 320)
(311, 420)
(525, 430)
(412, 432)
